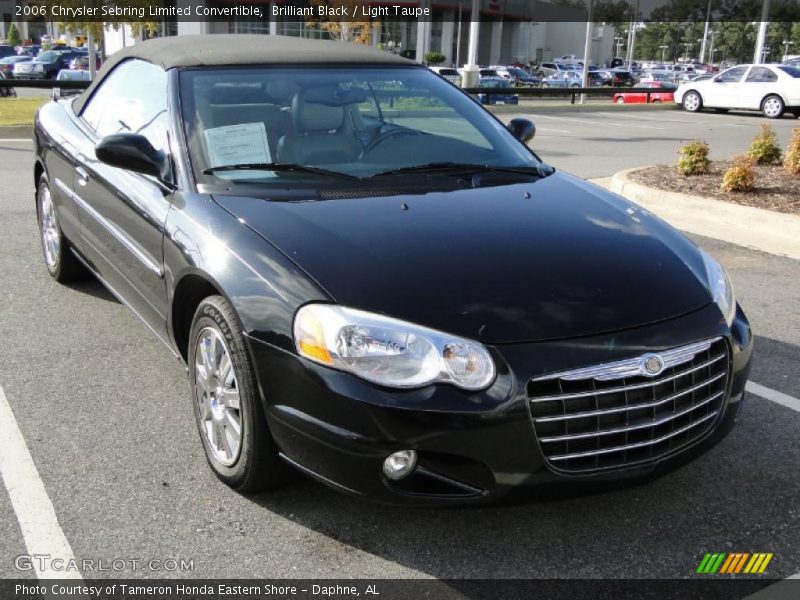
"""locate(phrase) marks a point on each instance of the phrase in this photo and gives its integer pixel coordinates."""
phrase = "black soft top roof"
(242, 49)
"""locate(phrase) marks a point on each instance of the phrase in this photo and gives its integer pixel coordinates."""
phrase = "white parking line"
(15, 140)
(773, 395)
(593, 122)
(37, 519)
(540, 129)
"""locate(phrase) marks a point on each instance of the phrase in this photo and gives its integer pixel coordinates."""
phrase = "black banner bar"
(700, 587)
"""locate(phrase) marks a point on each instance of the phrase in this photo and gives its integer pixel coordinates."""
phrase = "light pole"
(711, 51)
(705, 34)
(687, 46)
(762, 32)
(786, 44)
(632, 37)
(587, 48)
(618, 45)
(663, 47)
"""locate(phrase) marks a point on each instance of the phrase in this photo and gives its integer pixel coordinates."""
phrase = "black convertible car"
(372, 279)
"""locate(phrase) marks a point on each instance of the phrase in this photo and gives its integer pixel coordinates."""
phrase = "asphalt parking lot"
(105, 413)
(597, 143)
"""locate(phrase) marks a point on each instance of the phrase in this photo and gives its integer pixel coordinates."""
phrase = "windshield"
(358, 122)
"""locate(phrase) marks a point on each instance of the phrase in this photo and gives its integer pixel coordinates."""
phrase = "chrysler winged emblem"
(651, 364)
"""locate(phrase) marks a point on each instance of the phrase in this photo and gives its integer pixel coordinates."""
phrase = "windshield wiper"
(539, 170)
(278, 167)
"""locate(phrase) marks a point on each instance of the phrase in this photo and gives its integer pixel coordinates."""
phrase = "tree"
(339, 28)
(97, 28)
(12, 37)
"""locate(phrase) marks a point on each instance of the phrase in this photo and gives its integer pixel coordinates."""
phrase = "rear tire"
(692, 102)
(227, 405)
(61, 263)
(772, 107)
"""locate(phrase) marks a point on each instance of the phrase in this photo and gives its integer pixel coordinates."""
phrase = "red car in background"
(664, 93)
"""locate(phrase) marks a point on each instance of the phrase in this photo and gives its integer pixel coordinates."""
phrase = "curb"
(16, 131)
(757, 228)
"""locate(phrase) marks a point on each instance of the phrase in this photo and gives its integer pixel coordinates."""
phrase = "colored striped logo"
(734, 562)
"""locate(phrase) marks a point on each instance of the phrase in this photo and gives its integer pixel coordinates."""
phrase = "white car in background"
(771, 89)
(569, 59)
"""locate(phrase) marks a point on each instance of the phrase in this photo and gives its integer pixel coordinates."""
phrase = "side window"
(133, 98)
(761, 75)
(732, 75)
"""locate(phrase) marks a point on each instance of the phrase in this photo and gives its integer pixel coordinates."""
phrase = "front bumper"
(472, 447)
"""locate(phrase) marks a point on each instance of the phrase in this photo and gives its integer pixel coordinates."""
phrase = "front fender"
(264, 286)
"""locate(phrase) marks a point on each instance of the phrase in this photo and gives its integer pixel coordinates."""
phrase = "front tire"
(692, 102)
(227, 407)
(772, 107)
(62, 265)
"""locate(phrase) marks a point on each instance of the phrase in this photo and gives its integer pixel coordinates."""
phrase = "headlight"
(388, 351)
(720, 287)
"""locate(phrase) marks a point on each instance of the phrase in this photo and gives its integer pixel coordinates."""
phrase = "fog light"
(398, 465)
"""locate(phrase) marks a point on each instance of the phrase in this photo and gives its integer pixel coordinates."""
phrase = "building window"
(244, 25)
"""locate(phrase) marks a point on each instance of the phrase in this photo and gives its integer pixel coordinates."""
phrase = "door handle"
(81, 176)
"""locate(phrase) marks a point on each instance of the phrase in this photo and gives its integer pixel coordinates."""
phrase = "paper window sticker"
(245, 143)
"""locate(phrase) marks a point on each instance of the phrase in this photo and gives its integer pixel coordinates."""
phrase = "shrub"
(741, 176)
(12, 37)
(791, 162)
(434, 58)
(764, 149)
(693, 158)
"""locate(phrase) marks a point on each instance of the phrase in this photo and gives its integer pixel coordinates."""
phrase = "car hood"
(553, 258)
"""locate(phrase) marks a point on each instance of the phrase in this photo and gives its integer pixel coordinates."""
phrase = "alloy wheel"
(51, 238)
(217, 396)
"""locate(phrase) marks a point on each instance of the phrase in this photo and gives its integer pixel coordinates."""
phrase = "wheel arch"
(38, 170)
(189, 292)
(696, 91)
(778, 94)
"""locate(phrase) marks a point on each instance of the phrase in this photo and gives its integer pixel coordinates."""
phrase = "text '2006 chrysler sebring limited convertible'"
(372, 279)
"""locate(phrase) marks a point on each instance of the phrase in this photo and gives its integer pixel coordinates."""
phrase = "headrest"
(310, 116)
(282, 90)
(335, 96)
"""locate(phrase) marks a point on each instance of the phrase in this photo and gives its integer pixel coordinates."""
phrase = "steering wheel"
(395, 132)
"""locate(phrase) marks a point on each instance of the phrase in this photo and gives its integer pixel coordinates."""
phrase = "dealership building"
(509, 31)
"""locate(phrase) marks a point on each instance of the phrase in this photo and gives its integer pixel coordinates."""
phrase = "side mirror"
(522, 129)
(133, 152)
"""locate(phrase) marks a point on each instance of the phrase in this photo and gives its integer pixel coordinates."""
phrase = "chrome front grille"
(620, 414)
